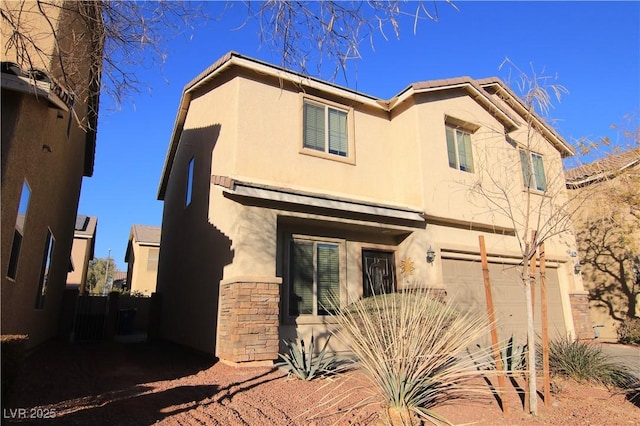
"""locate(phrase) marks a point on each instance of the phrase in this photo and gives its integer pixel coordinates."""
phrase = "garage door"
(465, 286)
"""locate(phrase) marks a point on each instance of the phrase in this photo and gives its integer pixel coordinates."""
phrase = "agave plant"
(414, 351)
(304, 363)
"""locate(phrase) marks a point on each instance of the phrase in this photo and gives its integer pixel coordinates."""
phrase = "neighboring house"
(120, 281)
(142, 255)
(45, 154)
(606, 197)
(82, 251)
(283, 192)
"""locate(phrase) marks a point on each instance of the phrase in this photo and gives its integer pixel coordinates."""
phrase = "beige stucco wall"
(80, 252)
(144, 270)
(54, 173)
(252, 132)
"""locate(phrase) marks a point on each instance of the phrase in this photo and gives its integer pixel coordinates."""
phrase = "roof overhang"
(39, 89)
(307, 199)
(514, 101)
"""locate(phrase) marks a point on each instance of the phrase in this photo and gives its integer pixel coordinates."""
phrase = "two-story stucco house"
(82, 251)
(48, 146)
(141, 257)
(283, 193)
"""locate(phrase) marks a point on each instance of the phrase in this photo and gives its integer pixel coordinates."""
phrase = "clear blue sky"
(592, 47)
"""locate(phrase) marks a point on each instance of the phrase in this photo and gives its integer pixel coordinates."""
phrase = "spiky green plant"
(412, 348)
(584, 361)
(304, 363)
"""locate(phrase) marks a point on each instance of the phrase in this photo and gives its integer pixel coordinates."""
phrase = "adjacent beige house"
(45, 155)
(142, 255)
(606, 197)
(281, 191)
(82, 251)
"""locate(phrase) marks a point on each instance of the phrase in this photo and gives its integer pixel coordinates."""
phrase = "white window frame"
(315, 241)
(326, 152)
(454, 158)
(530, 174)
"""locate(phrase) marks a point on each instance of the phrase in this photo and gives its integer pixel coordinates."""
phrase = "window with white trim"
(314, 277)
(18, 233)
(325, 129)
(459, 149)
(533, 174)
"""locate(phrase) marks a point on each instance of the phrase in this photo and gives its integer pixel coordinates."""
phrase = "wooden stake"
(545, 328)
(492, 318)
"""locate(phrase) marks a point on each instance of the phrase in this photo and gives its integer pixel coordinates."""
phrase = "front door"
(378, 272)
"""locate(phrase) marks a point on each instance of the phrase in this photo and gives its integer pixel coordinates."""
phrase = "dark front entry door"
(378, 272)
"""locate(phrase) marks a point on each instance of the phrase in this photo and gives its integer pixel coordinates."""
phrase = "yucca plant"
(583, 361)
(412, 348)
(304, 363)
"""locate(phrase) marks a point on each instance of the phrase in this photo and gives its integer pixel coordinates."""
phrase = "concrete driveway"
(628, 355)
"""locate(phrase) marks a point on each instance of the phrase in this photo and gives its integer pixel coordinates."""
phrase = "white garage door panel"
(465, 285)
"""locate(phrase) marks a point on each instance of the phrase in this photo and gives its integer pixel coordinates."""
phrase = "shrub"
(409, 344)
(13, 352)
(586, 362)
(629, 331)
(304, 363)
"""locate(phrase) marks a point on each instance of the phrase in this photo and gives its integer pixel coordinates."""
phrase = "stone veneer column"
(580, 313)
(248, 320)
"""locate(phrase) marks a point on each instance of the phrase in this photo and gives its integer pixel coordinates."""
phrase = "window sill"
(325, 155)
(309, 320)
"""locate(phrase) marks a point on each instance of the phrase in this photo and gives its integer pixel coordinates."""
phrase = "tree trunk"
(531, 342)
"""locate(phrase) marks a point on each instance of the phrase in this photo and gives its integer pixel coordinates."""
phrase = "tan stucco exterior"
(82, 251)
(141, 257)
(44, 148)
(255, 188)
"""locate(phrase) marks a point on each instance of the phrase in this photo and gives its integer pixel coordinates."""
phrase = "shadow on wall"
(193, 253)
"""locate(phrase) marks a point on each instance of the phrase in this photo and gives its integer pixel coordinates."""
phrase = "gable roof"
(477, 90)
(144, 235)
(602, 169)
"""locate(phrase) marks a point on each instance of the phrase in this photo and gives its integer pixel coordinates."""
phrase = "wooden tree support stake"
(492, 318)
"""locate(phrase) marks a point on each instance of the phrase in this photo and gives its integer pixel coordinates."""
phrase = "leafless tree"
(536, 212)
(126, 35)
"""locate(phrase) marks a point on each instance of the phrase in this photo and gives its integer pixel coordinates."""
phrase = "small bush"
(629, 331)
(13, 351)
(304, 363)
(586, 362)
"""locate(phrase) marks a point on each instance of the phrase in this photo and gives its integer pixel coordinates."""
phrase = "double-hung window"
(325, 129)
(314, 284)
(533, 170)
(459, 149)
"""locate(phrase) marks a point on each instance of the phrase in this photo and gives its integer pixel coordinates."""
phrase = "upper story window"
(314, 283)
(325, 129)
(533, 170)
(18, 234)
(189, 191)
(459, 149)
